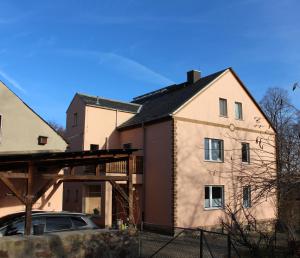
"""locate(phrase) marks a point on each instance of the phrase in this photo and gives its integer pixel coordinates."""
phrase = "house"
(192, 139)
(24, 131)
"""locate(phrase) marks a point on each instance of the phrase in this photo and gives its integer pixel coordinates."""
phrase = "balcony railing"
(117, 167)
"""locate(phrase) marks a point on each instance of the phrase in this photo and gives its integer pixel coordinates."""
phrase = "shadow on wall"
(194, 173)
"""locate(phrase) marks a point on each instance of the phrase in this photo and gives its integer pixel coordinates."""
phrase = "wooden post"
(201, 243)
(229, 245)
(130, 166)
(98, 169)
(29, 199)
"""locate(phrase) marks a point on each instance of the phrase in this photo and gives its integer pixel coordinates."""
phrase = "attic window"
(127, 146)
(42, 140)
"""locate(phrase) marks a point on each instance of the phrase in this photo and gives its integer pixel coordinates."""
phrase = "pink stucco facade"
(193, 125)
(171, 191)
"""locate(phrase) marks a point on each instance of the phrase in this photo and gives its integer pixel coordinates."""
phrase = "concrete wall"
(21, 127)
(200, 119)
(79, 244)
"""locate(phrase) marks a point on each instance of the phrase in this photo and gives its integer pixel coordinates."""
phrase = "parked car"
(14, 224)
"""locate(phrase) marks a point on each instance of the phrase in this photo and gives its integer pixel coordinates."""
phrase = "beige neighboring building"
(24, 131)
(193, 137)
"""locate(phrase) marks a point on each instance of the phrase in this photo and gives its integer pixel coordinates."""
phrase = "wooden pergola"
(46, 166)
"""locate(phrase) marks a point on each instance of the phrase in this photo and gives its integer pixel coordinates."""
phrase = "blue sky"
(49, 50)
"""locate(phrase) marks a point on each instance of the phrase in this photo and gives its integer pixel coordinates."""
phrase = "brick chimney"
(193, 76)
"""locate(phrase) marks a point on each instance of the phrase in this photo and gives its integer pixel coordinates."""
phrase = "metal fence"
(185, 242)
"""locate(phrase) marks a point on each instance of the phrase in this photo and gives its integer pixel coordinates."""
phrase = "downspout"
(144, 172)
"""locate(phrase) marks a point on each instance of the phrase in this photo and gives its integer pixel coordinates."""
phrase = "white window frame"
(220, 109)
(211, 199)
(248, 152)
(210, 150)
(248, 187)
(238, 113)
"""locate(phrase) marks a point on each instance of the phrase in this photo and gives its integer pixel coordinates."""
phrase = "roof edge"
(43, 120)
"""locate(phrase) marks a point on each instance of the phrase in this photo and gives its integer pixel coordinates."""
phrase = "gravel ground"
(183, 246)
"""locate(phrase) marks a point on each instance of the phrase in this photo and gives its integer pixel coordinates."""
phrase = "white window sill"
(214, 161)
(214, 208)
(245, 163)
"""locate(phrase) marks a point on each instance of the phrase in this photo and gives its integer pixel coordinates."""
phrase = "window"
(127, 146)
(245, 152)
(54, 223)
(75, 119)
(42, 140)
(214, 197)
(238, 111)
(93, 199)
(214, 150)
(0, 121)
(68, 195)
(247, 196)
(94, 147)
(223, 107)
(78, 222)
(76, 195)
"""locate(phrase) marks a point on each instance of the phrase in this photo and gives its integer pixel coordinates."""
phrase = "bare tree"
(267, 176)
(58, 128)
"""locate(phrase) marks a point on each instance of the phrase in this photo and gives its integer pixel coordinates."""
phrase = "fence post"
(201, 243)
(229, 246)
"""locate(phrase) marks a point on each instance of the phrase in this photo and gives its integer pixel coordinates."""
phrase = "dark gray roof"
(108, 103)
(163, 102)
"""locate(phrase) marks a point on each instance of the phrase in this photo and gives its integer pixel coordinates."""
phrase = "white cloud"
(11, 81)
(124, 65)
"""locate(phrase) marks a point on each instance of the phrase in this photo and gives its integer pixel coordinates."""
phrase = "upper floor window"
(223, 107)
(214, 197)
(247, 196)
(0, 121)
(75, 119)
(238, 111)
(214, 150)
(245, 152)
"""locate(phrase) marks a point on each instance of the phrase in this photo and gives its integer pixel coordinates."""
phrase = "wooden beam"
(130, 168)
(72, 171)
(48, 197)
(98, 170)
(120, 190)
(14, 175)
(44, 189)
(29, 199)
(85, 177)
(12, 188)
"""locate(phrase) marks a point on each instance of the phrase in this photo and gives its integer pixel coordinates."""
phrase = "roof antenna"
(97, 102)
